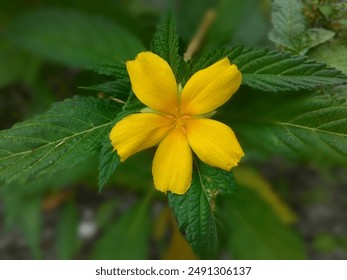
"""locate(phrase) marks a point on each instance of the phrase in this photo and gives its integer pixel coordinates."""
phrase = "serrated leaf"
(67, 134)
(276, 71)
(165, 43)
(127, 237)
(255, 232)
(305, 125)
(115, 69)
(194, 210)
(281, 71)
(73, 38)
(108, 163)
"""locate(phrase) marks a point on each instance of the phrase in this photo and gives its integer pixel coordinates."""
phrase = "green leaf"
(194, 210)
(288, 22)
(112, 68)
(126, 238)
(165, 43)
(73, 38)
(254, 231)
(301, 126)
(67, 134)
(275, 71)
(109, 160)
(332, 54)
(312, 38)
(67, 237)
(281, 71)
(289, 28)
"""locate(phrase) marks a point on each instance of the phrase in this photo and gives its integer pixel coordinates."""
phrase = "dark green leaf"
(165, 43)
(280, 71)
(127, 237)
(116, 69)
(194, 210)
(109, 161)
(275, 71)
(304, 125)
(255, 232)
(73, 38)
(67, 238)
(67, 134)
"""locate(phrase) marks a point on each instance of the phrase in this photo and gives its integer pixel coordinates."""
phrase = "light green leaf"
(300, 126)
(289, 28)
(126, 238)
(254, 231)
(67, 134)
(67, 238)
(73, 38)
(194, 210)
(312, 38)
(276, 71)
(332, 54)
(288, 22)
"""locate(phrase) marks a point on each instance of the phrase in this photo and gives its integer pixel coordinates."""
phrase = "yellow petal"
(173, 163)
(153, 82)
(210, 88)
(214, 143)
(137, 132)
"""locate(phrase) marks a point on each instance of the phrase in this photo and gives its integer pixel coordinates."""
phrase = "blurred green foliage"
(48, 50)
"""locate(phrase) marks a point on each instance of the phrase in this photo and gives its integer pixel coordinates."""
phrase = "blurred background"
(283, 209)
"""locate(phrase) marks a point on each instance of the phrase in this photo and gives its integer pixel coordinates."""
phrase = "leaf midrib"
(56, 141)
(314, 129)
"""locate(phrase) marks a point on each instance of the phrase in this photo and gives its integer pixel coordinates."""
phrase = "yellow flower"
(177, 120)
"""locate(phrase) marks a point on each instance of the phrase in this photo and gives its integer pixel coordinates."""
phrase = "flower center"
(179, 122)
